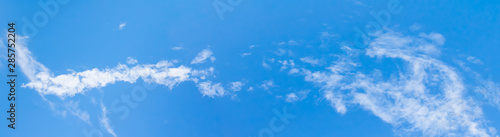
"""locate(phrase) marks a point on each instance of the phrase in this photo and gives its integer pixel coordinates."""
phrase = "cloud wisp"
(427, 97)
(45, 82)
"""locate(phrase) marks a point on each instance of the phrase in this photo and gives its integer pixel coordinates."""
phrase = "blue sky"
(254, 68)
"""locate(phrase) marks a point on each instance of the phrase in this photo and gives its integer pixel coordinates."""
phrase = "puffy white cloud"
(202, 56)
(122, 25)
(211, 90)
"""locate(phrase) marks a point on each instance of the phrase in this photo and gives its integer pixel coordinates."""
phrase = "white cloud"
(250, 89)
(311, 60)
(207, 89)
(73, 108)
(122, 25)
(286, 64)
(265, 65)
(282, 52)
(246, 54)
(490, 90)
(296, 96)
(336, 101)
(236, 86)
(44, 81)
(435, 37)
(131, 61)
(427, 96)
(202, 56)
(474, 60)
(177, 48)
(291, 97)
(267, 84)
(289, 42)
(105, 122)
(415, 27)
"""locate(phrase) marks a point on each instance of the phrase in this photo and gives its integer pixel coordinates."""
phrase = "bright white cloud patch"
(203, 56)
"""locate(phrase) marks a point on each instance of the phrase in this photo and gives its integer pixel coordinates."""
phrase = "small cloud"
(250, 89)
(286, 64)
(104, 120)
(251, 46)
(310, 60)
(207, 89)
(122, 25)
(246, 54)
(297, 96)
(177, 48)
(415, 27)
(293, 71)
(474, 60)
(202, 56)
(289, 42)
(131, 61)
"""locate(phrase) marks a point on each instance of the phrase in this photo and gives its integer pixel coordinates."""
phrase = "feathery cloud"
(202, 56)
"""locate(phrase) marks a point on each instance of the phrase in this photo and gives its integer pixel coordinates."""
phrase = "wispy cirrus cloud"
(427, 97)
(122, 25)
(105, 122)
